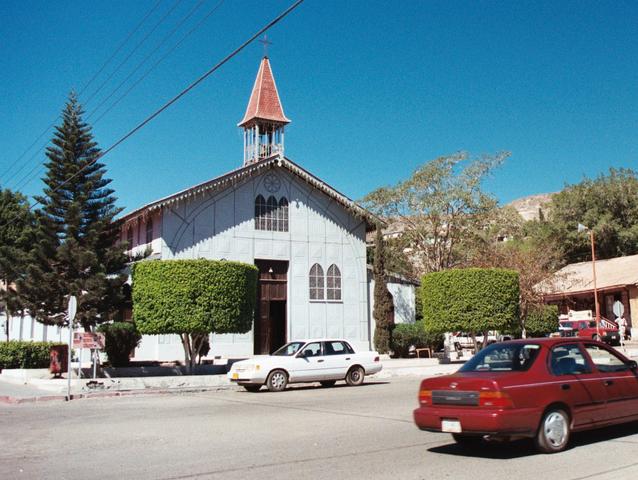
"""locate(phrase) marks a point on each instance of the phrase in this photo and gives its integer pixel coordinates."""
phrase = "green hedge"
(470, 300)
(406, 334)
(541, 321)
(120, 340)
(194, 296)
(20, 354)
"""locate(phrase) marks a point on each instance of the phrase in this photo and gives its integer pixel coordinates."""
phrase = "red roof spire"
(264, 101)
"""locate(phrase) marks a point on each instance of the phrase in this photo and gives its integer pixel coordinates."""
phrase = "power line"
(160, 60)
(119, 48)
(86, 85)
(190, 87)
(145, 59)
(37, 169)
(139, 44)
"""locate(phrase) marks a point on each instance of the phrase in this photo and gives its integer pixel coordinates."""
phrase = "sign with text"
(88, 340)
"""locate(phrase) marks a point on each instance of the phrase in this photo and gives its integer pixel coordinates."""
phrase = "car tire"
(252, 388)
(467, 440)
(553, 431)
(328, 383)
(277, 381)
(355, 376)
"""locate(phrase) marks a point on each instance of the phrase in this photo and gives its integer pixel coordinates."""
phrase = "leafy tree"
(75, 250)
(121, 338)
(193, 298)
(441, 208)
(542, 320)
(16, 238)
(608, 205)
(472, 300)
(383, 303)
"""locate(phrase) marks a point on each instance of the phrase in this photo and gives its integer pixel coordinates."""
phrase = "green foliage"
(406, 334)
(608, 205)
(16, 239)
(383, 312)
(120, 340)
(439, 209)
(19, 354)
(75, 251)
(471, 300)
(541, 321)
(194, 296)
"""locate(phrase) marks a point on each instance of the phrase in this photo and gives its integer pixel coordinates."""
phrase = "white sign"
(72, 308)
(618, 308)
(580, 315)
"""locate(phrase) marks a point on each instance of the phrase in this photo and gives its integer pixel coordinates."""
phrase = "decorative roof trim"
(236, 176)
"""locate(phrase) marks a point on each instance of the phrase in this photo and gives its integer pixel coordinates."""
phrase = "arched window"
(316, 282)
(149, 230)
(260, 213)
(333, 283)
(129, 238)
(282, 215)
(271, 213)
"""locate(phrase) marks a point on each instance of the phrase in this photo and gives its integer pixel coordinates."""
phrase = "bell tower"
(264, 120)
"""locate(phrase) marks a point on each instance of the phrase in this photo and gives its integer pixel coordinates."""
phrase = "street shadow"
(525, 447)
(311, 386)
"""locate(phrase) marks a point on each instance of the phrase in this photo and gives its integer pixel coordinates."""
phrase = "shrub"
(21, 354)
(406, 334)
(541, 321)
(120, 340)
(470, 300)
(193, 297)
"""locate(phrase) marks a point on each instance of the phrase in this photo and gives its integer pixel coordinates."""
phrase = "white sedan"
(324, 361)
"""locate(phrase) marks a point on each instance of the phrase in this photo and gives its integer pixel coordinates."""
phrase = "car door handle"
(319, 361)
(609, 382)
(565, 386)
(347, 358)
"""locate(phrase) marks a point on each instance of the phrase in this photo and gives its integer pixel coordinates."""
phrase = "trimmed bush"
(21, 354)
(541, 321)
(193, 297)
(406, 334)
(470, 300)
(120, 340)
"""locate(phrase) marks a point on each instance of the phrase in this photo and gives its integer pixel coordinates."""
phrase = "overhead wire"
(147, 57)
(190, 87)
(86, 85)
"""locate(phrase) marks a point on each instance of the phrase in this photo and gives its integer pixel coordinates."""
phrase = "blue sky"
(374, 89)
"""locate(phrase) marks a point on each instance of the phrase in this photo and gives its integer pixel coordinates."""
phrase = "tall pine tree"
(383, 312)
(75, 251)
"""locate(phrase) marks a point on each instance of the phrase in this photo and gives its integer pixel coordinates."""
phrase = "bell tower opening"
(264, 120)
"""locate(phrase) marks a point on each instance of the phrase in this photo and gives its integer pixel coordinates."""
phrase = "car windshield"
(503, 358)
(289, 349)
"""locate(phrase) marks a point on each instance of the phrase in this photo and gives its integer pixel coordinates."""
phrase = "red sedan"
(540, 388)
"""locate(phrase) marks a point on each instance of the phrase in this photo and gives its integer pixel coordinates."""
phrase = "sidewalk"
(24, 386)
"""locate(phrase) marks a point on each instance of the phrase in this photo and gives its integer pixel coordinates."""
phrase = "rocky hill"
(529, 207)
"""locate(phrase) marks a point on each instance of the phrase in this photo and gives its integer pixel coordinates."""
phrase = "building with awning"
(572, 287)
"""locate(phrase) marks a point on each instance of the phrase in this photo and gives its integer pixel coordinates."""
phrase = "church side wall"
(320, 231)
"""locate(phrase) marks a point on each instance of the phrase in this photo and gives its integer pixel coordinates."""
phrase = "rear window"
(513, 357)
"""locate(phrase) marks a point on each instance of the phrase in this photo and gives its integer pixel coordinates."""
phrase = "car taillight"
(425, 397)
(495, 399)
(376, 359)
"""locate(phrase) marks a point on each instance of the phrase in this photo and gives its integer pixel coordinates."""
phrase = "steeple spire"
(264, 120)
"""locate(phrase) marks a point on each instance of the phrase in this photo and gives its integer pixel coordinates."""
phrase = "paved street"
(308, 432)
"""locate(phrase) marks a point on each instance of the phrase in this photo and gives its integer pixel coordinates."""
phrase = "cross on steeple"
(265, 42)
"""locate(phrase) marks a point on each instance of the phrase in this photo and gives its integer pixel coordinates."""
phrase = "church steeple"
(264, 120)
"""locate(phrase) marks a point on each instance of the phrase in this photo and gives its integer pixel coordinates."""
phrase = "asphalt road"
(303, 433)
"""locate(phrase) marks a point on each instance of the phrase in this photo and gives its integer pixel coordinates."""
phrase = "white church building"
(307, 239)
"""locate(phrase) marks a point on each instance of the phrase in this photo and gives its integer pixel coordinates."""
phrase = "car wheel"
(277, 381)
(354, 377)
(328, 383)
(252, 388)
(467, 440)
(553, 432)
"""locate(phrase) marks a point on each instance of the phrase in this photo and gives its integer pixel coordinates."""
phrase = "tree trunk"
(188, 352)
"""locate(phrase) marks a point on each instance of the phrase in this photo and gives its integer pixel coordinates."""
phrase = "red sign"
(88, 340)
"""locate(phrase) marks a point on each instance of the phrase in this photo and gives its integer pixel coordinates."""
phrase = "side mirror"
(301, 354)
(632, 364)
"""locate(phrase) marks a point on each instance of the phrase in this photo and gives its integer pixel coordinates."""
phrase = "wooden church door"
(270, 318)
